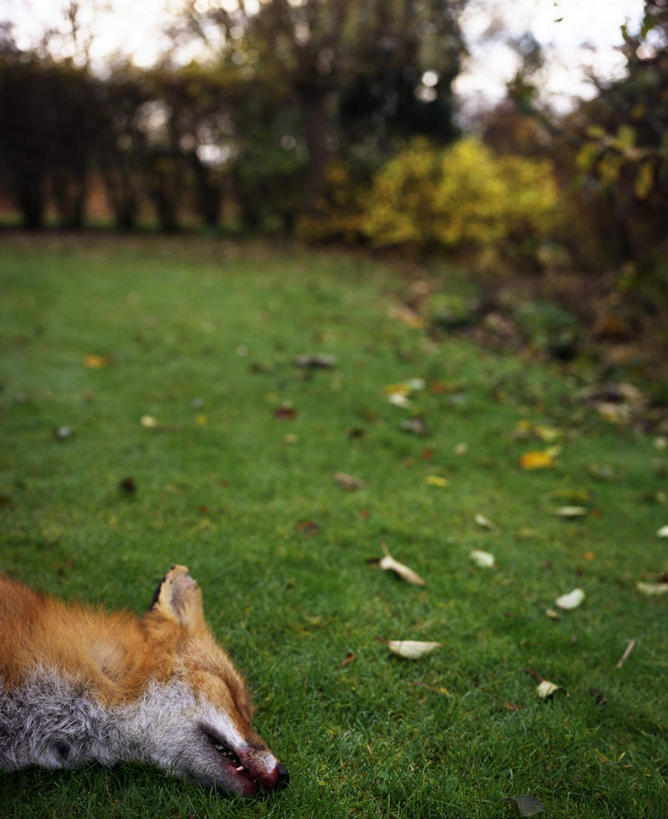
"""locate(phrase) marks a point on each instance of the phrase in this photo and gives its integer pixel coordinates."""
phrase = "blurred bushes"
(461, 196)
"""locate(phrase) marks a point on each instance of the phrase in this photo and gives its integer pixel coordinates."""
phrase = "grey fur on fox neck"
(52, 722)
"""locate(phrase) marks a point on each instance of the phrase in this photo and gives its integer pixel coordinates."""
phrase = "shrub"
(460, 196)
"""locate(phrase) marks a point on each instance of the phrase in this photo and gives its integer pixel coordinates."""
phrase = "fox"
(80, 685)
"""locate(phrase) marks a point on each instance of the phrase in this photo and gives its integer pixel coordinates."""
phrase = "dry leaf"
(652, 589)
(308, 528)
(415, 425)
(536, 460)
(285, 412)
(546, 689)
(315, 361)
(461, 448)
(483, 522)
(436, 480)
(399, 400)
(389, 564)
(552, 614)
(571, 600)
(148, 421)
(201, 419)
(348, 482)
(95, 362)
(350, 656)
(483, 559)
(411, 649)
(526, 805)
(571, 511)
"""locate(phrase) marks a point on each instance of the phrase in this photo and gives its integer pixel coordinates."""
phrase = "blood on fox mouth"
(233, 760)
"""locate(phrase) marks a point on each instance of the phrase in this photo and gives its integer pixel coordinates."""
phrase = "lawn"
(236, 479)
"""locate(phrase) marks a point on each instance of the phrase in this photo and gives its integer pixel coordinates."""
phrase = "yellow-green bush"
(459, 196)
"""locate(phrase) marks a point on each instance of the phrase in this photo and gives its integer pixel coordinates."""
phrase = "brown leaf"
(308, 528)
(350, 656)
(128, 485)
(348, 482)
(285, 412)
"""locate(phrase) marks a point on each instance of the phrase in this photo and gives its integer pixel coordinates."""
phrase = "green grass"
(449, 735)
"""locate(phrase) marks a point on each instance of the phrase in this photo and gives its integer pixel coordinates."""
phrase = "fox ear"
(178, 597)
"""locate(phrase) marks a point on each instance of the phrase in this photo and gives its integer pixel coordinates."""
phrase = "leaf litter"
(388, 564)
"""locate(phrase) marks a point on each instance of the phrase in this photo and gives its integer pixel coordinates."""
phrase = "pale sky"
(576, 35)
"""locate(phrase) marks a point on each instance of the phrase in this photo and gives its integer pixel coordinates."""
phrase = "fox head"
(195, 718)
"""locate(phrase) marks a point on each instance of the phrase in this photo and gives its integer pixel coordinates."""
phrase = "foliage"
(460, 196)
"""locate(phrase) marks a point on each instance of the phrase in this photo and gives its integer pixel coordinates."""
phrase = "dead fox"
(77, 684)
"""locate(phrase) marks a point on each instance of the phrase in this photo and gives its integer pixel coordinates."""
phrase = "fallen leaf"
(128, 485)
(526, 805)
(546, 689)
(62, 433)
(483, 559)
(407, 315)
(663, 532)
(389, 564)
(291, 438)
(350, 656)
(201, 419)
(588, 555)
(536, 460)
(399, 400)
(315, 361)
(461, 448)
(571, 600)
(652, 589)
(436, 480)
(285, 412)
(571, 511)
(348, 482)
(483, 522)
(415, 425)
(411, 649)
(308, 528)
(148, 421)
(552, 614)
(95, 362)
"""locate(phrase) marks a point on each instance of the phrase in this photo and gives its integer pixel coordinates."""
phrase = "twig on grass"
(627, 651)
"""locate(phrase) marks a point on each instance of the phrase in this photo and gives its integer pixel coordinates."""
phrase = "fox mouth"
(232, 760)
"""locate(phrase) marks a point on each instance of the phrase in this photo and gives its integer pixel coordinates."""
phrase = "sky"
(577, 35)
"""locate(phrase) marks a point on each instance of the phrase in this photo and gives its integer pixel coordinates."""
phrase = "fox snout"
(245, 768)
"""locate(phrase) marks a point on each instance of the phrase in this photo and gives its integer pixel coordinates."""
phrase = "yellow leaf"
(537, 460)
(436, 480)
(201, 420)
(95, 362)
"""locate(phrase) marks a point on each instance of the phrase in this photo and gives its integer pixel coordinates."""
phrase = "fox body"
(77, 684)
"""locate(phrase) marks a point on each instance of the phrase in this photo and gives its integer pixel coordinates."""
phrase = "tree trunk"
(315, 103)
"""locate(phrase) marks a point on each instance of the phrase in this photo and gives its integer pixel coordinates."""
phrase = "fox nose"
(282, 779)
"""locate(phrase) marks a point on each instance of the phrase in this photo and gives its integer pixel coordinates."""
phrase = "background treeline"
(337, 120)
